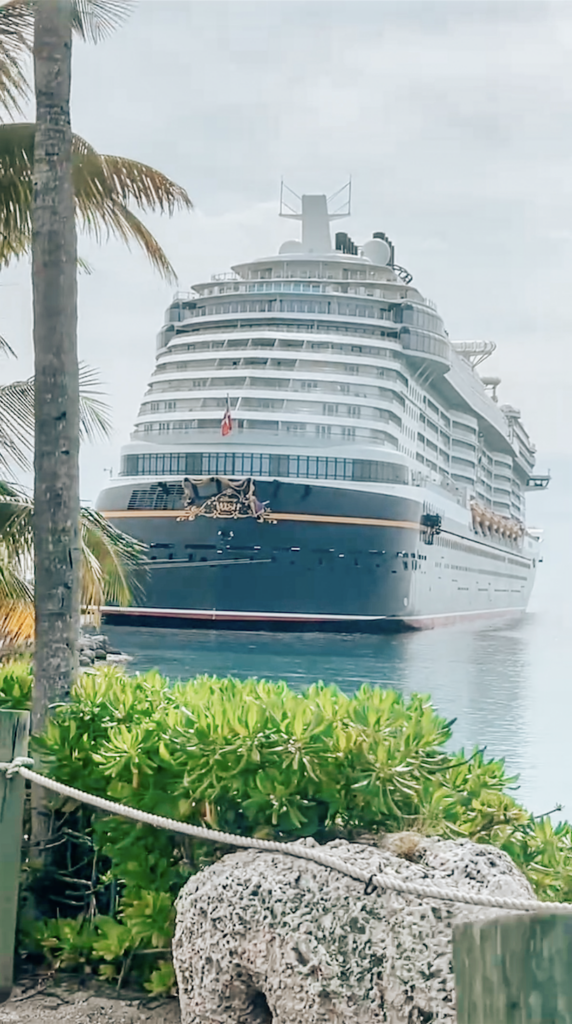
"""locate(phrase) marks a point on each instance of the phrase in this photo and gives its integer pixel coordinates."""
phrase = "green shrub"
(253, 758)
(16, 682)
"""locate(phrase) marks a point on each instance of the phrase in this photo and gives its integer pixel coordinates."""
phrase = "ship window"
(230, 464)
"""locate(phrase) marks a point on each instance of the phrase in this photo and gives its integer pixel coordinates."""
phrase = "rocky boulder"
(265, 937)
(94, 647)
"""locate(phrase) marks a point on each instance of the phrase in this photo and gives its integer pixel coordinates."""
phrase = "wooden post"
(514, 969)
(14, 728)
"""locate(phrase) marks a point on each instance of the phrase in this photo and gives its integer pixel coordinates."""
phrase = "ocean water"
(509, 686)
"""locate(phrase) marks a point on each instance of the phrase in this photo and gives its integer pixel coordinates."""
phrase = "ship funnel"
(314, 212)
(315, 224)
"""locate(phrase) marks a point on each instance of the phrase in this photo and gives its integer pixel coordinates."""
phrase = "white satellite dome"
(290, 246)
(377, 251)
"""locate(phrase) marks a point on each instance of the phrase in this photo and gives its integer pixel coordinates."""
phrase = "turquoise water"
(509, 686)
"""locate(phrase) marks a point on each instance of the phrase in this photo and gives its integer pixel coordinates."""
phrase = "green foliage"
(16, 682)
(253, 758)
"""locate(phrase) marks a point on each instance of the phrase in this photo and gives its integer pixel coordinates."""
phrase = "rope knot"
(13, 767)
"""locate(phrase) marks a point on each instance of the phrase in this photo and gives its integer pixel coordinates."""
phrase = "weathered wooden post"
(516, 969)
(14, 728)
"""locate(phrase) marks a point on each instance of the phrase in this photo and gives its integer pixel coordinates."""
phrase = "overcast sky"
(453, 118)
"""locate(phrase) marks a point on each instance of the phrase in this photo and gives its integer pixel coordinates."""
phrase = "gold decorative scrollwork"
(237, 501)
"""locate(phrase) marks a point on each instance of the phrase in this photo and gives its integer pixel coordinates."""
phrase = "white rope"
(387, 881)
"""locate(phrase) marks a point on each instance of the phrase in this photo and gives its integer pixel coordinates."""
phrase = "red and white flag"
(226, 425)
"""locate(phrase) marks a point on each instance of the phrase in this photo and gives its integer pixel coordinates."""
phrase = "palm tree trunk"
(56, 466)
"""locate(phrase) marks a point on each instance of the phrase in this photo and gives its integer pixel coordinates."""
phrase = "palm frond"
(126, 226)
(6, 349)
(17, 417)
(16, 156)
(16, 423)
(95, 19)
(16, 595)
(94, 418)
(103, 185)
(16, 537)
(84, 266)
(16, 621)
(16, 29)
(13, 587)
(114, 565)
(17, 613)
(150, 189)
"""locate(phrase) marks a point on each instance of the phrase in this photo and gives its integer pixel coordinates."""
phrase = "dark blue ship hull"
(321, 558)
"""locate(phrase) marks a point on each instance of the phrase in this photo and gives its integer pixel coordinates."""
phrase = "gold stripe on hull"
(292, 517)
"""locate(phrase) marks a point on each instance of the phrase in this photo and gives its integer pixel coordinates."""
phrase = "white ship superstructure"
(346, 395)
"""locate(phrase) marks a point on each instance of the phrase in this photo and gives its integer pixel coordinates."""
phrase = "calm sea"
(508, 686)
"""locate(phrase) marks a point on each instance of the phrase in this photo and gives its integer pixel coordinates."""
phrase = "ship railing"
(228, 276)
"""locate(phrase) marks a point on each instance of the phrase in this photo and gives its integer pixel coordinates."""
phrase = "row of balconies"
(303, 363)
(261, 385)
(348, 431)
(263, 344)
(258, 400)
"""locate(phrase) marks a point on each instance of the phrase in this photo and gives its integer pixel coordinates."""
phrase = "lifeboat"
(491, 524)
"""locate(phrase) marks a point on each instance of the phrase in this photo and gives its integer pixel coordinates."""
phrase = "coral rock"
(265, 937)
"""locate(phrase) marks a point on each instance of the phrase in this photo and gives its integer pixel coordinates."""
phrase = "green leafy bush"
(253, 758)
(16, 682)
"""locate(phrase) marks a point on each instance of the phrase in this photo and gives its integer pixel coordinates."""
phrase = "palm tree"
(47, 175)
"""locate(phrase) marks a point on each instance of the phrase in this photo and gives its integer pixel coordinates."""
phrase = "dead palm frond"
(17, 417)
(16, 594)
(113, 565)
(104, 186)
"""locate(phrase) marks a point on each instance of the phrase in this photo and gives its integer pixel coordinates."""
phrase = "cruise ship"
(314, 452)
